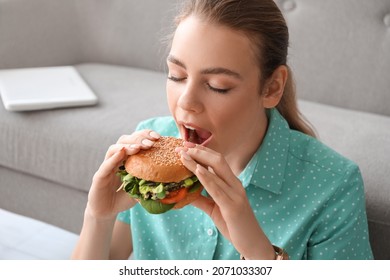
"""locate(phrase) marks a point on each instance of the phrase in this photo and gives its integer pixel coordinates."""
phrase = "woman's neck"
(240, 157)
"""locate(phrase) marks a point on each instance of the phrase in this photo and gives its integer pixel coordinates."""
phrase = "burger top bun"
(160, 163)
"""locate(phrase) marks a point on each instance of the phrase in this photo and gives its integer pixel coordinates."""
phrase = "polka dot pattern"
(307, 198)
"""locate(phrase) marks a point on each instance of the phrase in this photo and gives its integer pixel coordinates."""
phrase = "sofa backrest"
(57, 32)
(130, 33)
(38, 33)
(339, 51)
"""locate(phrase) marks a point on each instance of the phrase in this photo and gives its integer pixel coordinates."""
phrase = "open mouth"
(196, 135)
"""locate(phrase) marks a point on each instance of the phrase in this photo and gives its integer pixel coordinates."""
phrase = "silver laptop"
(29, 89)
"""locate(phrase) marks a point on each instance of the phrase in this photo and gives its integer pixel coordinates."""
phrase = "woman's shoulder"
(312, 151)
(164, 125)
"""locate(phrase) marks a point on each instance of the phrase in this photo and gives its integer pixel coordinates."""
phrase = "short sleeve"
(124, 216)
(140, 126)
(343, 229)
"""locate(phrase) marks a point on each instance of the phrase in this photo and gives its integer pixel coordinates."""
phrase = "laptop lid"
(27, 89)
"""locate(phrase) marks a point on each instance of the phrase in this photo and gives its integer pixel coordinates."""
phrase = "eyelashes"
(217, 90)
(175, 79)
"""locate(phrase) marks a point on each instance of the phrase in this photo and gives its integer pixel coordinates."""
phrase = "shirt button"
(210, 232)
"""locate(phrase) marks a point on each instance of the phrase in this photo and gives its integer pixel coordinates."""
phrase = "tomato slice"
(175, 196)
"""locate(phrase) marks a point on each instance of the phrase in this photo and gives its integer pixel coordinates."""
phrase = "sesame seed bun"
(160, 163)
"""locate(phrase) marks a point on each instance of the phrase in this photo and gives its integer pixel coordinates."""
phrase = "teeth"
(189, 127)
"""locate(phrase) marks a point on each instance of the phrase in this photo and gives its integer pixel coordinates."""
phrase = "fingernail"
(185, 155)
(154, 134)
(147, 142)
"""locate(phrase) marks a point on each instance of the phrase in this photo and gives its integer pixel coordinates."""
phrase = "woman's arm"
(100, 231)
(103, 240)
(121, 244)
(95, 238)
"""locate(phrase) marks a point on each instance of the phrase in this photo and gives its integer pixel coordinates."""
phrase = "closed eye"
(175, 79)
(218, 90)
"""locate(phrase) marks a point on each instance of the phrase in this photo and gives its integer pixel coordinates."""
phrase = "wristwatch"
(280, 254)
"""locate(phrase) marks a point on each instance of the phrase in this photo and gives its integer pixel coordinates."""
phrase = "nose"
(191, 99)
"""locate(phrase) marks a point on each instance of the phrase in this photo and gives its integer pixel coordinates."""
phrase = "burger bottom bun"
(190, 197)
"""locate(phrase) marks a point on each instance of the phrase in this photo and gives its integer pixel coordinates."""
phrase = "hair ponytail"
(288, 108)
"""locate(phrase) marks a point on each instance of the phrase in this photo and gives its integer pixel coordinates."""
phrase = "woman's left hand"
(228, 206)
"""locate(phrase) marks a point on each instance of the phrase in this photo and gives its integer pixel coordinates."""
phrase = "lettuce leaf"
(155, 207)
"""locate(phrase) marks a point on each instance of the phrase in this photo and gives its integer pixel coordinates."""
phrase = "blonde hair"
(265, 26)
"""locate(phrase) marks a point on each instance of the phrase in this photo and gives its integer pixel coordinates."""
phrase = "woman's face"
(213, 87)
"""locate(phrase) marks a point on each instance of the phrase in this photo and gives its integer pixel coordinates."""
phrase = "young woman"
(271, 187)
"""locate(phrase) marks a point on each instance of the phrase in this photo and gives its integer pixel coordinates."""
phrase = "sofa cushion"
(68, 145)
(357, 135)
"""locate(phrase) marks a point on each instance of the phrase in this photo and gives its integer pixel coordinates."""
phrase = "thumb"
(206, 204)
(124, 201)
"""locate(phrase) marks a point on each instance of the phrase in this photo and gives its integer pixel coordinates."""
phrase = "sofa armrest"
(38, 33)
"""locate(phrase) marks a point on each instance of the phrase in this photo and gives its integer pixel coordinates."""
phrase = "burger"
(158, 179)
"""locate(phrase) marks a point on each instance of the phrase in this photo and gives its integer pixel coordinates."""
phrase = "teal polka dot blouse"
(307, 198)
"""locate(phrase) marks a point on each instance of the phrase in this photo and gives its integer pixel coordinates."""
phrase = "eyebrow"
(212, 70)
(176, 61)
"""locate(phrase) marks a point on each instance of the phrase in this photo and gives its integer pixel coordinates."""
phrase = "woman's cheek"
(172, 96)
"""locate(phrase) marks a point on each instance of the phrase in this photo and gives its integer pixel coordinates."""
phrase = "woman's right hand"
(104, 202)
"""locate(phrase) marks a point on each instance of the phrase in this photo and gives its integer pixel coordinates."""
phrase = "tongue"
(194, 137)
(198, 136)
(203, 134)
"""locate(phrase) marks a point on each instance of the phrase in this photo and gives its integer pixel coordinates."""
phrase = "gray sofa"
(340, 54)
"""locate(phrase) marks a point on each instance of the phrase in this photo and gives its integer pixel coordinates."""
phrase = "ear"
(274, 87)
